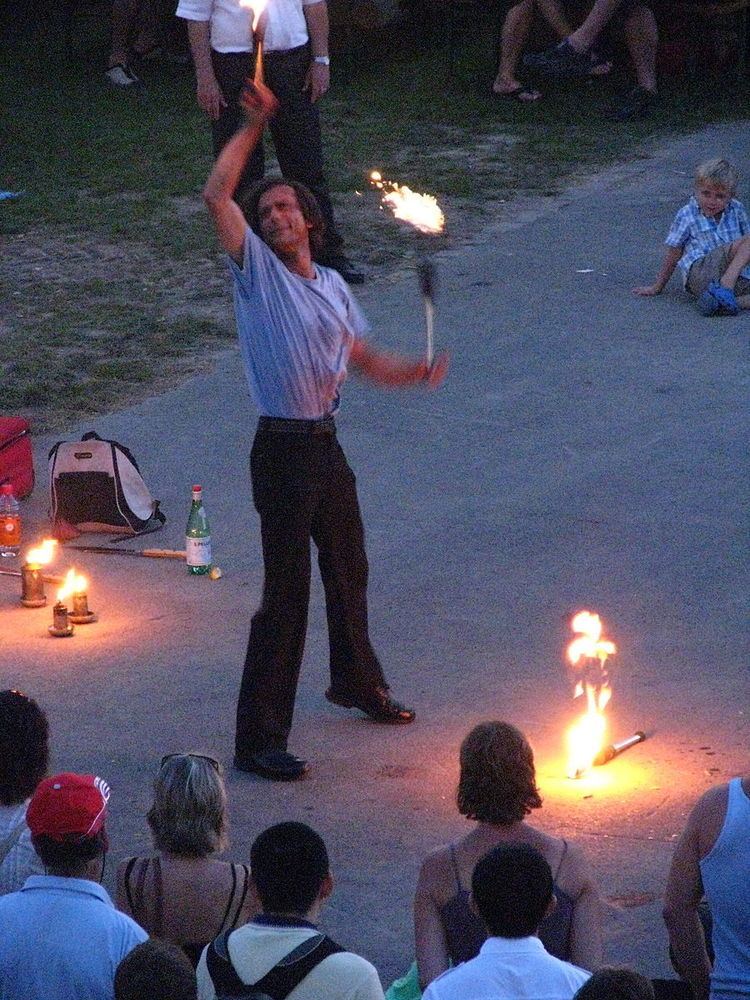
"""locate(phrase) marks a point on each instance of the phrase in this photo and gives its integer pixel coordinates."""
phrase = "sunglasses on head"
(195, 756)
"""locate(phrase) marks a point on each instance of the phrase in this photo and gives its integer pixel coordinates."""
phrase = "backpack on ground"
(95, 485)
(279, 982)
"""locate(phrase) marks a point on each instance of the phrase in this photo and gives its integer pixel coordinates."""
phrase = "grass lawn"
(110, 279)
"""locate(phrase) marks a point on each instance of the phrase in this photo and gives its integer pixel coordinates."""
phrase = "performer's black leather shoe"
(276, 765)
(378, 704)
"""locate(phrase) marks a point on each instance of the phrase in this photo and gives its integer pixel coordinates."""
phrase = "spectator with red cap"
(61, 934)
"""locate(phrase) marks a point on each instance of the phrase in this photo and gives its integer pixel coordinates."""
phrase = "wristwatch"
(322, 60)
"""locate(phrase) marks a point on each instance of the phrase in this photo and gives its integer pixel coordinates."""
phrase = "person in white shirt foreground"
(511, 890)
(292, 881)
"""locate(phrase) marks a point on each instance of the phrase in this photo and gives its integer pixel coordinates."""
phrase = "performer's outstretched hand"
(258, 101)
(434, 374)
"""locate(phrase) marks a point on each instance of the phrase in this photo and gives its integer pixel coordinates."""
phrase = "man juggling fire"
(299, 326)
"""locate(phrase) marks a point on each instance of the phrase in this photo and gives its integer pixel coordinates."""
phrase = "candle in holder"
(32, 577)
(61, 627)
(81, 615)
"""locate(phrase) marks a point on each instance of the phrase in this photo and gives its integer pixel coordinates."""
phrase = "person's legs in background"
(642, 40)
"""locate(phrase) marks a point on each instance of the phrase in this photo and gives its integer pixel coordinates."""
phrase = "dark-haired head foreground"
(616, 984)
(24, 758)
(292, 880)
(512, 890)
(155, 970)
(497, 789)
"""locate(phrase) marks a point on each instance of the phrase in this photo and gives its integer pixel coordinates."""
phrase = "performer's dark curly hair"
(24, 747)
(248, 202)
(498, 780)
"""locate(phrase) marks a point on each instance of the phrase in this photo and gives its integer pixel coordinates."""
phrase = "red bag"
(16, 462)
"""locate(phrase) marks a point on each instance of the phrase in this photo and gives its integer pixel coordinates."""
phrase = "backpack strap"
(290, 971)
(220, 969)
(279, 982)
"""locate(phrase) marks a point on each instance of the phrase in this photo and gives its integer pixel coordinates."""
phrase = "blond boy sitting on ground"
(710, 242)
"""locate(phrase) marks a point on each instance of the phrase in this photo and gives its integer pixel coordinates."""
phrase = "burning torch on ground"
(423, 213)
(588, 654)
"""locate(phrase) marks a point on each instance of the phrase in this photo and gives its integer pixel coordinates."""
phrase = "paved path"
(587, 450)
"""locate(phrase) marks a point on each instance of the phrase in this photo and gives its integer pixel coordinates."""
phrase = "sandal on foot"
(707, 305)
(524, 95)
(561, 61)
(725, 298)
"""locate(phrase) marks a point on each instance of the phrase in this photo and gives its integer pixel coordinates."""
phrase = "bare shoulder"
(575, 875)
(707, 818)
(436, 870)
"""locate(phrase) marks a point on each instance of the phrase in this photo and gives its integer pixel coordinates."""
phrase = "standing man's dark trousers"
(295, 128)
(303, 488)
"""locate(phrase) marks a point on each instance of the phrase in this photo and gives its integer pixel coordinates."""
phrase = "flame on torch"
(419, 210)
(42, 554)
(587, 654)
(257, 7)
(72, 584)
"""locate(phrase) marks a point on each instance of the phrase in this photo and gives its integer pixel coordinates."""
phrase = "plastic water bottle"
(198, 536)
(10, 522)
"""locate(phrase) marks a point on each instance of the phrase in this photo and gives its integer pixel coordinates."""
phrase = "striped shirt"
(295, 333)
(696, 235)
(22, 860)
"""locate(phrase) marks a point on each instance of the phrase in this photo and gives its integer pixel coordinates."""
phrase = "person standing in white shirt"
(296, 66)
(512, 891)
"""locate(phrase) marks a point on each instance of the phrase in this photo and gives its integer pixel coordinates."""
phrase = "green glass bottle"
(198, 536)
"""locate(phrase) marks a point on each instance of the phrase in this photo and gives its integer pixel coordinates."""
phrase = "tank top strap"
(244, 888)
(135, 880)
(454, 866)
(127, 879)
(230, 899)
(562, 859)
(158, 899)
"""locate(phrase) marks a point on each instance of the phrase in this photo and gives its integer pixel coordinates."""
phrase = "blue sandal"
(725, 298)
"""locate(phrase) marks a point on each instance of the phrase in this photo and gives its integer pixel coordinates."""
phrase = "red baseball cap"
(67, 806)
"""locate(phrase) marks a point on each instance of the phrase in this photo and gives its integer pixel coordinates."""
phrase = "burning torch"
(258, 32)
(423, 213)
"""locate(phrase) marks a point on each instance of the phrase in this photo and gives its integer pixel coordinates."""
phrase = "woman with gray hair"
(182, 893)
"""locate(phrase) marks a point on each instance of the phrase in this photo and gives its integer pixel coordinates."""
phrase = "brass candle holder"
(60, 627)
(81, 615)
(32, 586)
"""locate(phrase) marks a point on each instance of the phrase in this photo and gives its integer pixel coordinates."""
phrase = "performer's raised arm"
(259, 104)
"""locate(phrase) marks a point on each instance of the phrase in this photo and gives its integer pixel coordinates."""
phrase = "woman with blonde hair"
(497, 790)
(182, 893)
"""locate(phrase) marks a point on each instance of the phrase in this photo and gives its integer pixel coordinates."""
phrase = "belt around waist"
(280, 425)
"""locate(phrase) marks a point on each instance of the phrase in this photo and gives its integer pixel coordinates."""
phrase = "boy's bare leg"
(583, 38)
(516, 28)
(739, 254)
(743, 301)
(553, 13)
(642, 40)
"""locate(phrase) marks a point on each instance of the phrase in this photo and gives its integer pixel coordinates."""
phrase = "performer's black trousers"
(303, 489)
(295, 128)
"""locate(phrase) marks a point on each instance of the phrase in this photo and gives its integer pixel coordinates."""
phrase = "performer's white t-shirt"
(230, 24)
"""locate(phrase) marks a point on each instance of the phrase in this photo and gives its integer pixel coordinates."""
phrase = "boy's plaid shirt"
(697, 235)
